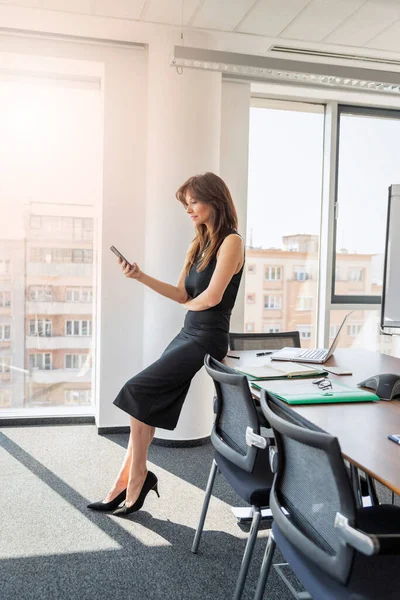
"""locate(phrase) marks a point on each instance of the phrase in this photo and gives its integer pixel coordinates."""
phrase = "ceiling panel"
(389, 39)
(366, 23)
(78, 6)
(222, 14)
(160, 11)
(319, 18)
(269, 17)
(123, 9)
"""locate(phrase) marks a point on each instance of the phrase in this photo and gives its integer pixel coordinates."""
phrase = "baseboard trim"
(107, 430)
(43, 421)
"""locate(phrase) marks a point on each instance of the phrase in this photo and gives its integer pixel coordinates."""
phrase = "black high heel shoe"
(150, 483)
(104, 506)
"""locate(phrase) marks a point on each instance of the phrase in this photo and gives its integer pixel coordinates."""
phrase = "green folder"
(305, 392)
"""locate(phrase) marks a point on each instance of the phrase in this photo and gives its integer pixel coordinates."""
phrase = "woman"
(207, 288)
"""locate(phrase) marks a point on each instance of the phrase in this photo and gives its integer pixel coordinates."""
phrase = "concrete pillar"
(183, 132)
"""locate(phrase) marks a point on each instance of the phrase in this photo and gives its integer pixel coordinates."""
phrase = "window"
(5, 299)
(77, 294)
(355, 275)
(40, 293)
(272, 302)
(273, 273)
(41, 327)
(305, 331)
(5, 363)
(78, 327)
(75, 361)
(77, 397)
(249, 327)
(251, 269)
(65, 255)
(354, 329)
(301, 274)
(40, 361)
(251, 298)
(5, 398)
(5, 332)
(304, 303)
(268, 328)
(4, 266)
(35, 222)
(333, 329)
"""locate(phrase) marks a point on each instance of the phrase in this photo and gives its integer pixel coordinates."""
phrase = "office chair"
(245, 467)
(264, 341)
(336, 550)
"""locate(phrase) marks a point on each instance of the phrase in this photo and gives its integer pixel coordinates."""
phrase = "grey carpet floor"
(53, 548)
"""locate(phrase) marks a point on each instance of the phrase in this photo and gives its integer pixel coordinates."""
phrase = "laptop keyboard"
(314, 354)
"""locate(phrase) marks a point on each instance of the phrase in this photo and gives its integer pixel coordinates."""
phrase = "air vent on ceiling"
(335, 55)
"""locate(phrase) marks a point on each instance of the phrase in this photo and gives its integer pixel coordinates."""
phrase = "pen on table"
(230, 356)
(264, 353)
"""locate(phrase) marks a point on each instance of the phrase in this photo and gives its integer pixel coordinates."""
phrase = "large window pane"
(369, 158)
(50, 172)
(283, 220)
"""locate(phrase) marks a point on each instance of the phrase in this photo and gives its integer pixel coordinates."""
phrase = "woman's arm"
(229, 261)
(176, 293)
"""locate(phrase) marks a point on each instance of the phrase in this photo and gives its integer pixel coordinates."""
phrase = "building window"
(5, 363)
(355, 275)
(251, 269)
(40, 293)
(4, 266)
(5, 398)
(333, 329)
(77, 397)
(40, 327)
(251, 298)
(305, 331)
(75, 361)
(5, 332)
(273, 273)
(304, 303)
(271, 302)
(301, 274)
(5, 299)
(63, 255)
(268, 328)
(40, 361)
(354, 329)
(78, 327)
(249, 327)
(77, 294)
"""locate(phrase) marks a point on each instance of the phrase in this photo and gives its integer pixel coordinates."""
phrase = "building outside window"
(272, 302)
(251, 269)
(249, 327)
(5, 332)
(79, 294)
(333, 329)
(273, 273)
(355, 275)
(4, 266)
(40, 360)
(5, 299)
(41, 293)
(83, 327)
(301, 274)
(40, 327)
(77, 397)
(251, 298)
(354, 329)
(5, 398)
(5, 363)
(304, 303)
(268, 328)
(75, 361)
(305, 331)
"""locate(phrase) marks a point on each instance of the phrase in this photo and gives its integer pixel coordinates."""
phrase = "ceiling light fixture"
(247, 66)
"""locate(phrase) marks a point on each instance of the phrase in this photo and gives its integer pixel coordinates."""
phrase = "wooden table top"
(361, 428)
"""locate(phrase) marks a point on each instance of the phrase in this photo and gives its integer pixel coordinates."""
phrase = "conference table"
(362, 427)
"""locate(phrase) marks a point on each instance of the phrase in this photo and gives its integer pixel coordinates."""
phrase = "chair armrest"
(367, 543)
(253, 439)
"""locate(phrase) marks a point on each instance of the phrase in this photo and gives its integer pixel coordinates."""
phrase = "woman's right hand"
(131, 271)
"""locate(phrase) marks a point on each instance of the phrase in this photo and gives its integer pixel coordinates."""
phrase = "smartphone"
(395, 438)
(118, 253)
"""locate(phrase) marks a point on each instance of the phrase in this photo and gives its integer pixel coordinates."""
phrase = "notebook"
(319, 355)
(279, 371)
(305, 392)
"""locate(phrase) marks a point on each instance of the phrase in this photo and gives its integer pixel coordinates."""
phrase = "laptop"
(318, 355)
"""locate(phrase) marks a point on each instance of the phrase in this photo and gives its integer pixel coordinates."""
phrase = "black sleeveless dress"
(155, 396)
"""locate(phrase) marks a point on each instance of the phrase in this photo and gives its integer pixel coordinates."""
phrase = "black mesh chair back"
(264, 341)
(235, 411)
(312, 485)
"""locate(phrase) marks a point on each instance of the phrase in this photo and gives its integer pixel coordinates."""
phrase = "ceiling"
(372, 25)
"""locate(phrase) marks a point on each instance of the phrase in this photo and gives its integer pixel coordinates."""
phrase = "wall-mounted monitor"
(390, 312)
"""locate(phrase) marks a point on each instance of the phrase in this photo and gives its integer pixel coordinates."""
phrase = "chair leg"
(265, 567)
(200, 526)
(248, 553)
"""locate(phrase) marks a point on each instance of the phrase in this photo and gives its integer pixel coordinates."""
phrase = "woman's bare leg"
(141, 436)
(121, 481)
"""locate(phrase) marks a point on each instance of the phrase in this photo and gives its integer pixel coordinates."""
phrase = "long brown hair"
(212, 190)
